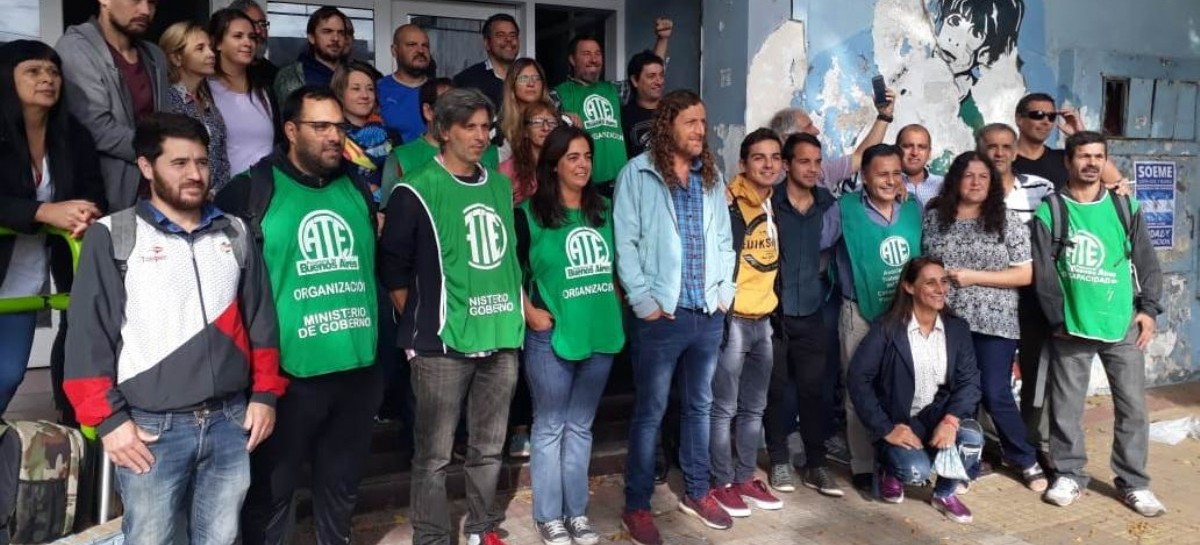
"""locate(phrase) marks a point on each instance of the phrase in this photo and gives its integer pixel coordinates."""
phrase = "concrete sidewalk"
(1005, 512)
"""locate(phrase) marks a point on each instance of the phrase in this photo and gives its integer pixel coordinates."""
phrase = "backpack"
(1059, 221)
(124, 237)
(41, 471)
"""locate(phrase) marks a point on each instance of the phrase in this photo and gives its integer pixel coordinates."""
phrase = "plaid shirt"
(689, 220)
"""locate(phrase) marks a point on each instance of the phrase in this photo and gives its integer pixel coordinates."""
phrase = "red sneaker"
(755, 493)
(641, 528)
(729, 500)
(707, 510)
(486, 538)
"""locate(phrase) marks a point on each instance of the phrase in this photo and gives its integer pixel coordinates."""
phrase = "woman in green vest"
(565, 244)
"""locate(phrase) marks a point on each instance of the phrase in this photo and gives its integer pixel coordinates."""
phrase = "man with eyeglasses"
(329, 35)
(502, 42)
(316, 229)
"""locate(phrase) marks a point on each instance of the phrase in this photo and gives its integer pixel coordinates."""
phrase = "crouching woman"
(915, 385)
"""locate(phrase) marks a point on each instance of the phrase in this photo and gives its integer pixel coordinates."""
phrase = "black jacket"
(880, 380)
(75, 173)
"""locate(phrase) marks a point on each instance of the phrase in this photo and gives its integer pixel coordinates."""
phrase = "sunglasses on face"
(1038, 115)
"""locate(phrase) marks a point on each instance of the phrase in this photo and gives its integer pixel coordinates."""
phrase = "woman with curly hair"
(987, 253)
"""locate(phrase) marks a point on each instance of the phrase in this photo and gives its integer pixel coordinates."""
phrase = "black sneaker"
(553, 532)
(836, 450)
(781, 478)
(864, 483)
(581, 531)
(819, 479)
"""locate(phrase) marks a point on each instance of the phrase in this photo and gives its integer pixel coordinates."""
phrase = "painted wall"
(958, 64)
(683, 53)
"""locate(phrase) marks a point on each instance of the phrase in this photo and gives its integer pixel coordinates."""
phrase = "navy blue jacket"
(880, 380)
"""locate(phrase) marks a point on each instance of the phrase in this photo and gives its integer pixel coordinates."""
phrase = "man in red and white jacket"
(172, 322)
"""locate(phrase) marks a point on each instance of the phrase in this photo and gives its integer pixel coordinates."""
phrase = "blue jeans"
(994, 356)
(200, 474)
(913, 466)
(739, 391)
(690, 343)
(565, 397)
(16, 343)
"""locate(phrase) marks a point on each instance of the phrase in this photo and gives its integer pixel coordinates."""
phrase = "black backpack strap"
(123, 232)
(1058, 224)
(1124, 208)
(262, 188)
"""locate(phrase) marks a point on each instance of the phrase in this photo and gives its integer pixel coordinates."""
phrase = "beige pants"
(852, 328)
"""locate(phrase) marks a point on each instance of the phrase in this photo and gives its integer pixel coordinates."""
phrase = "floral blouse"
(181, 102)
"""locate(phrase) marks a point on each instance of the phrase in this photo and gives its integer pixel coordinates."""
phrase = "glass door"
(454, 29)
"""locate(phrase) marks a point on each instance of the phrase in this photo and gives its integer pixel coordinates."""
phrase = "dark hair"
(989, 129)
(877, 151)
(524, 164)
(456, 107)
(1084, 138)
(640, 61)
(498, 18)
(1023, 104)
(993, 210)
(662, 136)
(156, 128)
(759, 135)
(428, 94)
(574, 43)
(218, 25)
(795, 139)
(12, 117)
(901, 309)
(913, 127)
(341, 76)
(546, 202)
(326, 12)
(293, 105)
(998, 22)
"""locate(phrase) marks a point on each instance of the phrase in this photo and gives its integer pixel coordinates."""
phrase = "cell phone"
(880, 90)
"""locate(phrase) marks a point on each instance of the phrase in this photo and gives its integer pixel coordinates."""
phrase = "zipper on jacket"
(191, 240)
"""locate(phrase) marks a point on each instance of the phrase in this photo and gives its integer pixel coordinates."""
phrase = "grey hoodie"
(98, 97)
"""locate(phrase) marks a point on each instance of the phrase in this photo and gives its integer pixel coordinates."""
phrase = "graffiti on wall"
(954, 64)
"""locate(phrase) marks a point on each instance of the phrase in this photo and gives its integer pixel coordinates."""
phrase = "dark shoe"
(819, 479)
(953, 508)
(640, 526)
(755, 493)
(891, 489)
(781, 478)
(661, 469)
(1035, 478)
(837, 450)
(581, 531)
(553, 532)
(864, 483)
(729, 500)
(707, 510)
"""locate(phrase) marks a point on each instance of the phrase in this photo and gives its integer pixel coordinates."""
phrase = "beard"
(311, 161)
(323, 55)
(133, 29)
(174, 197)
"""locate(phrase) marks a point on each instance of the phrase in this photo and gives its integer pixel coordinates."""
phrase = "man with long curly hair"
(675, 261)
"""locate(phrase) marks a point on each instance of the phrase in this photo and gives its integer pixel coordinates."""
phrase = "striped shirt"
(1027, 193)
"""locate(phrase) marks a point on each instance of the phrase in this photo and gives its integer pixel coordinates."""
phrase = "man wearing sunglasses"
(1036, 117)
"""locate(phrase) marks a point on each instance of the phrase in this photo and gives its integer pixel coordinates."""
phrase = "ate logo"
(486, 236)
(1086, 251)
(326, 244)
(894, 251)
(598, 112)
(587, 253)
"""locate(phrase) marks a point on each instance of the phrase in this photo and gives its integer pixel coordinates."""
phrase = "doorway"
(454, 29)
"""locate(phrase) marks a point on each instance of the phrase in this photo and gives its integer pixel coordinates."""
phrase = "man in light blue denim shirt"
(675, 261)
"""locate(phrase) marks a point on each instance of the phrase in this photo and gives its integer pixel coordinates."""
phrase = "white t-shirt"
(26, 273)
(1027, 194)
(250, 131)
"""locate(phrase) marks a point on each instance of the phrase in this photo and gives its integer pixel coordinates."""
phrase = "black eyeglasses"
(1038, 115)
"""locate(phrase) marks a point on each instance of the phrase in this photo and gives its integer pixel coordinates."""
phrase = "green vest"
(878, 253)
(319, 249)
(599, 106)
(481, 306)
(416, 154)
(571, 267)
(1094, 270)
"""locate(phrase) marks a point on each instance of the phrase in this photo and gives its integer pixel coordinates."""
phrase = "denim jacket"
(649, 253)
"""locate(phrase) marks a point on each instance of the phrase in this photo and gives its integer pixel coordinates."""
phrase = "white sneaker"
(1063, 493)
(1144, 502)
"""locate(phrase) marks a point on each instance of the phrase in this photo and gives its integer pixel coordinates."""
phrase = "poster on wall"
(1156, 193)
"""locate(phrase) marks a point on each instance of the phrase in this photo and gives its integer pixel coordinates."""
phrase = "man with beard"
(647, 76)
(448, 259)
(329, 35)
(1100, 284)
(675, 260)
(914, 142)
(501, 41)
(317, 232)
(261, 67)
(201, 308)
(400, 93)
(110, 43)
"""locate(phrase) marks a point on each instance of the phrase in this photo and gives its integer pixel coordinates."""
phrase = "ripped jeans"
(913, 466)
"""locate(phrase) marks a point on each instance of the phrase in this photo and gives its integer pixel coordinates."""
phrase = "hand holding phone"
(880, 90)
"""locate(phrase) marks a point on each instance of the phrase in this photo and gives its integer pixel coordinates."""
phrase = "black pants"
(1035, 331)
(800, 367)
(325, 420)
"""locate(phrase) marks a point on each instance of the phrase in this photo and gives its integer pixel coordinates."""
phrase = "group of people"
(266, 249)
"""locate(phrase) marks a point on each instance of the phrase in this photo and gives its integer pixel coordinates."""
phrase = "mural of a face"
(960, 44)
